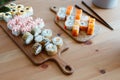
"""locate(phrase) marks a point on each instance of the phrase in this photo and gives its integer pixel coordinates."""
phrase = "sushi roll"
(57, 41)
(7, 16)
(40, 23)
(27, 37)
(61, 13)
(71, 17)
(19, 6)
(75, 30)
(37, 47)
(69, 10)
(36, 31)
(14, 12)
(16, 30)
(47, 33)
(91, 26)
(1, 16)
(10, 24)
(11, 5)
(25, 29)
(78, 14)
(22, 13)
(45, 41)
(51, 49)
(69, 24)
(29, 11)
(38, 38)
(84, 23)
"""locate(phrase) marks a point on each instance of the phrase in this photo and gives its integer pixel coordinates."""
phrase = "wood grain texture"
(102, 53)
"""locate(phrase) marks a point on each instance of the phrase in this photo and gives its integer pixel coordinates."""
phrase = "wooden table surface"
(97, 59)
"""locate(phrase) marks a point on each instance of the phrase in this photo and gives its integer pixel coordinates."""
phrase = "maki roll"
(91, 26)
(22, 13)
(40, 23)
(1, 16)
(16, 30)
(69, 24)
(51, 49)
(38, 38)
(78, 14)
(84, 23)
(27, 37)
(47, 33)
(36, 31)
(37, 48)
(11, 5)
(45, 41)
(19, 6)
(7, 16)
(61, 13)
(29, 11)
(57, 41)
(14, 12)
(75, 30)
(69, 10)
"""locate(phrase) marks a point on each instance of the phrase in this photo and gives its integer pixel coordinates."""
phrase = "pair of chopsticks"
(101, 20)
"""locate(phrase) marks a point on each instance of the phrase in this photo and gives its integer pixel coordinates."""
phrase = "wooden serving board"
(83, 37)
(42, 57)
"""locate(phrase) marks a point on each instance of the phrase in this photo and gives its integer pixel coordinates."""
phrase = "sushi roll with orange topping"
(75, 30)
(78, 14)
(61, 14)
(84, 23)
(69, 10)
(91, 26)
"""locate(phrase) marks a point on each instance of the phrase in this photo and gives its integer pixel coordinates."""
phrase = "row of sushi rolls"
(75, 21)
(20, 22)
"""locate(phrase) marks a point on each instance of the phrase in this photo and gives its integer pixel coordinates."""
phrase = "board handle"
(54, 9)
(66, 68)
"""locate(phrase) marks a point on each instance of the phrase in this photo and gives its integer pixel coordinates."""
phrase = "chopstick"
(107, 25)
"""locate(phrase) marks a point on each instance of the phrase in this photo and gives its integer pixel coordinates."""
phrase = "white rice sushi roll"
(36, 31)
(57, 41)
(38, 38)
(37, 48)
(45, 40)
(71, 17)
(27, 37)
(16, 30)
(14, 12)
(29, 11)
(11, 5)
(51, 49)
(69, 24)
(22, 13)
(40, 23)
(19, 6)
(61, 14)
(7, 16)
(47, 33)
(1, 16)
